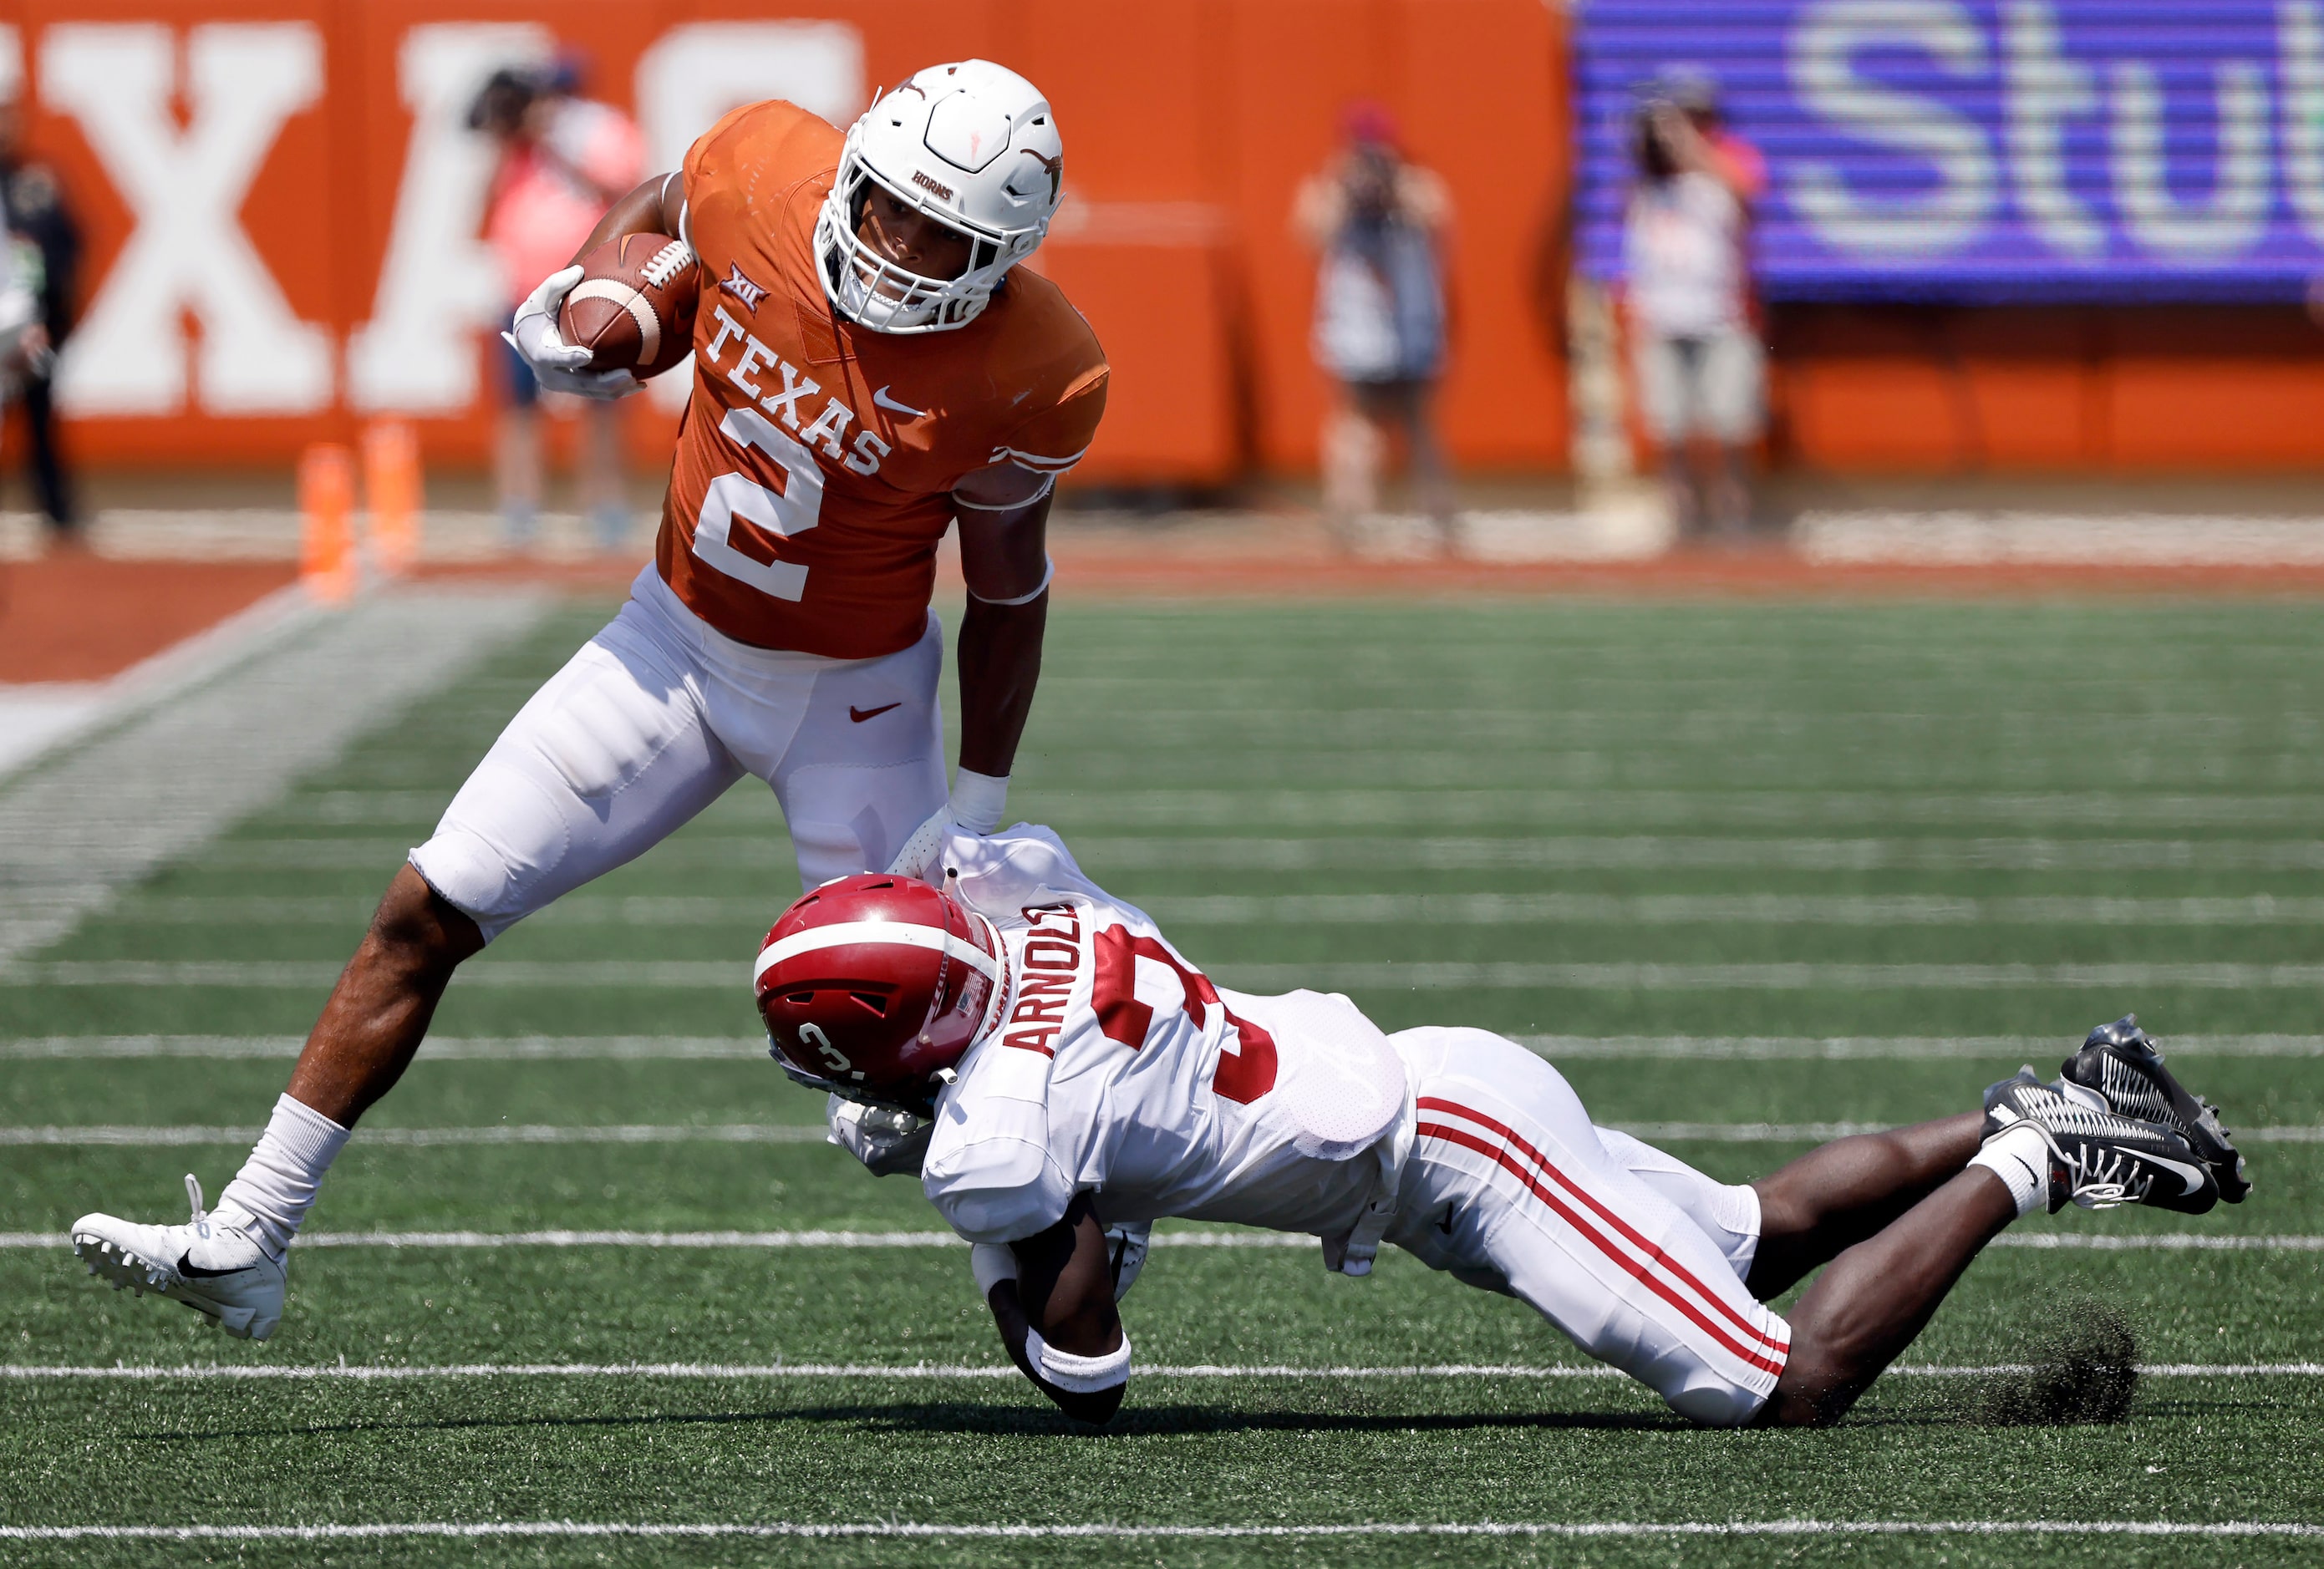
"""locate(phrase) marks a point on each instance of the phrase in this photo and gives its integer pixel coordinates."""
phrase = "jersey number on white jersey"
(1243, 1074)
(789, 512)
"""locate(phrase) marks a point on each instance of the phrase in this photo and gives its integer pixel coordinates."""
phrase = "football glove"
(974, 809)
(1125, 1252)
(559, 366)
(887, 1142)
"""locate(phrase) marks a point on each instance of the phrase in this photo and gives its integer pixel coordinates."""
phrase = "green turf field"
(1748, 873)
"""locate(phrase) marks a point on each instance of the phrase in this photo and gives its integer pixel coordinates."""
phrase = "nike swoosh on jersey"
(860, 714)
(194, 1271)
(882, 400)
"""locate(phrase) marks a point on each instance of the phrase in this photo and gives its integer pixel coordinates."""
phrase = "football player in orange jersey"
(870, 364)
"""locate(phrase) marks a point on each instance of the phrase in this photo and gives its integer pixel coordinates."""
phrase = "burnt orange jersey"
(817, 459)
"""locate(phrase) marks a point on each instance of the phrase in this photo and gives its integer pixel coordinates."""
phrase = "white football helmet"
(974, 146)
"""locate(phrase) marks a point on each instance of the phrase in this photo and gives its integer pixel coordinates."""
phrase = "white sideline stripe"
(114, 1134)
(460, 1530)
(681, 974)
(489, 1134)
(1561, 1048)
(2070, 1241)
(185, 765)
(361, 1373)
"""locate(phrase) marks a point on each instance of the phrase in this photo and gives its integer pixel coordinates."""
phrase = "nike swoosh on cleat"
(194, 1271)
(2190, 1176)
(881, 399)
(860, 714)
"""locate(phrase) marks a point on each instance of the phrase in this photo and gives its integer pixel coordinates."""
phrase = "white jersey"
(1119, 1069)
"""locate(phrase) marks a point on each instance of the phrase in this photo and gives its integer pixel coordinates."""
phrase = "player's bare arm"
(1061, 1304)
(1004, 522)
(653, 207)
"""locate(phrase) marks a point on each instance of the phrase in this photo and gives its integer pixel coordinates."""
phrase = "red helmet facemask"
(872, 987)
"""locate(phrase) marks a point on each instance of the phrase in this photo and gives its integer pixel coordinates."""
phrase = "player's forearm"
(999, 657)
(651, 208)
(1096, 1405)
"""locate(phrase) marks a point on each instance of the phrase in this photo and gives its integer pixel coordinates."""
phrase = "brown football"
(634, 309)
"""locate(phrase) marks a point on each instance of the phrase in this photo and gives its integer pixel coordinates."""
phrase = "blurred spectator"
(1738, 164)
(564, 161)
(44, 263)
(1698, 362)
(1380, 225)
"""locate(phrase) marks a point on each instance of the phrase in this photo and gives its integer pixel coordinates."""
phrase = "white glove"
(974, 809)
(1126, 1243)
(557, 365)
(887, 1142)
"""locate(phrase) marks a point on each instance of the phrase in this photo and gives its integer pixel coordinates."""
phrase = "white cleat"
(214, 1269)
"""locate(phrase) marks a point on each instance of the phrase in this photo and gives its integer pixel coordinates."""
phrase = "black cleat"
(2123, 1067)
(2099, 1158)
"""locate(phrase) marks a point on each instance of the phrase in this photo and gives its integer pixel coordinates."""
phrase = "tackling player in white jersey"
(1061, 1077)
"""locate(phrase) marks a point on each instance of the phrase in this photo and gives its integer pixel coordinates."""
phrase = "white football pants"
(652, 721)
(1633, 1253)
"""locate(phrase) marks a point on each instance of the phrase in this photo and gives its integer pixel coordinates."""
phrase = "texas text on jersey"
(816, 462)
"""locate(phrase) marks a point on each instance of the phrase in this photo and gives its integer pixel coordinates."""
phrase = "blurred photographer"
(1380, 225)
(1699, 369)
(564, 160)
(39, 262)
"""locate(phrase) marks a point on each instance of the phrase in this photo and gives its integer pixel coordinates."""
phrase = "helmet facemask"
(884, 296)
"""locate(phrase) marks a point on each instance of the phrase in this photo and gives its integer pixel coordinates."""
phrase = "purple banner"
(1984, 151)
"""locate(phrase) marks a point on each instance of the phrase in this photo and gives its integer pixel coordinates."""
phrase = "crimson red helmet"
(874, 985)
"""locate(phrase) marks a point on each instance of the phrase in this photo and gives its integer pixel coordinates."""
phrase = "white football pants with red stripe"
(1635, 1255)
(652, 721)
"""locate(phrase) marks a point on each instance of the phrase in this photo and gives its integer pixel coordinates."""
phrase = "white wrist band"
(1079, 1375)
(1049, 571)
(978, 800)
(992, 1262)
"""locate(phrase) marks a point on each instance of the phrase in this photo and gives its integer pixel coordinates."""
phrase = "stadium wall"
(282, 200)
(282, 208)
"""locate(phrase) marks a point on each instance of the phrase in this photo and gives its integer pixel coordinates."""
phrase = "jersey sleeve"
(988, 1170)
(1053, 439)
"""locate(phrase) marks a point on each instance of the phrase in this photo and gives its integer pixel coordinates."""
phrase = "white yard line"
(684, 974)
(1558, 1047)
(100, 1134)
(459, 1530)
(487, 1133)
(1876, 1047)
(2067, 1241)
(1555, 852)
(183, 770)
(438, 1049)
(360, 1372)
(680, 911)
(1261, 806)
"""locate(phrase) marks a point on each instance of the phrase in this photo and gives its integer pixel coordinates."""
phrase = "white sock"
(269, 1197)
(2021, 1159)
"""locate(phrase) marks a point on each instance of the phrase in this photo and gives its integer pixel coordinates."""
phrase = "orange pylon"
(326, 531)
(391, 454)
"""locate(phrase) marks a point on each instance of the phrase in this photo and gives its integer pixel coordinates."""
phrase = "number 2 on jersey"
(1244, 1075)
(785, 513)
